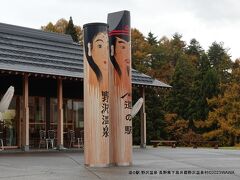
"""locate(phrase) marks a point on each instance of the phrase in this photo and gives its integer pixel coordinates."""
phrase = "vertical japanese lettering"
(105, 113)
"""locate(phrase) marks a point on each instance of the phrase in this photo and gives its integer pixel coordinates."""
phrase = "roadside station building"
(46, 70)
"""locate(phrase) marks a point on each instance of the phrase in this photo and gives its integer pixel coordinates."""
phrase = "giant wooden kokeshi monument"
(108, 92)
(96, 95)
(120, 88)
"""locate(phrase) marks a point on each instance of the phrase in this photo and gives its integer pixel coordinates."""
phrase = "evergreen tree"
(198, 107)
(164, 57)
(194, 51)
(71, 30)
(155, 114)
(206, 85)
(136, 121)
(177, 48)
(60, 27)
(220, 60)
(180, 95)
(194, 48)
(151, 39)
(203, 89)
(177, 42)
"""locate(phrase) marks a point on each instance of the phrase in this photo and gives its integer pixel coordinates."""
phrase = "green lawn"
(230, 148)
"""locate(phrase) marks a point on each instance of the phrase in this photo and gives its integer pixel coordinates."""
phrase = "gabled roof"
(35, 51)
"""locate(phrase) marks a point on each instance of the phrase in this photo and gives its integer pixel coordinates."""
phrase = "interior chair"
(51, 138)
(72, 139)
(43, 139)
(82, 138)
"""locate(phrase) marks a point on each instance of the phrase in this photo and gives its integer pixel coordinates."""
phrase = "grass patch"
(231, 148)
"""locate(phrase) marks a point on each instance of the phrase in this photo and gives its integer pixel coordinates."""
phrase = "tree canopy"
(71, 30)
(65, 27)
(203, 103)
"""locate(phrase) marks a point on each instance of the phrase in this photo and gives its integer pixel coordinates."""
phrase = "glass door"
(53, 114)
(72, 117)
(37, 119)
(78, 114)
(68, 123)
(78, 119)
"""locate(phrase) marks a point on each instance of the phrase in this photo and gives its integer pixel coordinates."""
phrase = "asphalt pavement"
(150, 163)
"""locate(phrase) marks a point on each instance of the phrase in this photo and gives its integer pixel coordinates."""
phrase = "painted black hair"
(112, 41)
(91, 30)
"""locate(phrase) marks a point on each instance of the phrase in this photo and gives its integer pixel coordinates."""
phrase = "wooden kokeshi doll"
(96, 95)
(120, 88)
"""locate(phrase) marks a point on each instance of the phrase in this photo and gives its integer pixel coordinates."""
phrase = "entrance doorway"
(43, 115)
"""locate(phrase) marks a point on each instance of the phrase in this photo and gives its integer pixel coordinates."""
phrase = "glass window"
(37, 118)
(53, 113)
(68, 122)
(78, 113)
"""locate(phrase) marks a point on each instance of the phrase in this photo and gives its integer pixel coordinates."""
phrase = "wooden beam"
(60, 114)
(143, 120)
(25, 122)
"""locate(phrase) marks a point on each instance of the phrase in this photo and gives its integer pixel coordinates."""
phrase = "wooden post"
(25, 131)
(19, 128)
(143, 120)
(96, 95)
(120, 88)
(60, 114)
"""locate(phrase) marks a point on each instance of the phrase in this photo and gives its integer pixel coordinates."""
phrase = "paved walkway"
(151, 163)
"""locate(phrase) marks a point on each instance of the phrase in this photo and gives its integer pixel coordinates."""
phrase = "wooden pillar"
(19, 128)
(60, 114)
(143, 120)
(120, 88)
(96, 95)
(25, 123)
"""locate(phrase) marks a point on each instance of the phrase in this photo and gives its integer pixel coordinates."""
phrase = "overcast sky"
(205, 20)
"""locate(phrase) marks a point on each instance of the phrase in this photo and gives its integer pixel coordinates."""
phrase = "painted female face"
(122, 54)
(99, 50)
